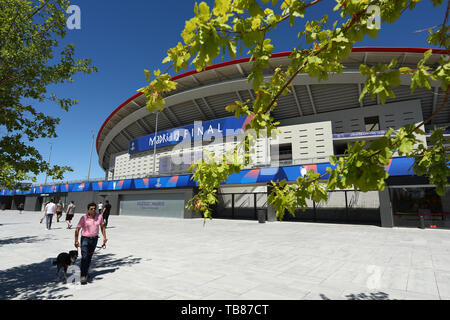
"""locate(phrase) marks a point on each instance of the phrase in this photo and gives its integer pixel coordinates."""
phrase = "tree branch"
(354, 19)
(436, 112)
(444, 24)
(265, 28)
(29, 16)
(39, 9)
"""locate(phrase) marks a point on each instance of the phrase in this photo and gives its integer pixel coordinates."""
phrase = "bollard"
(421, 222)
(261, 215)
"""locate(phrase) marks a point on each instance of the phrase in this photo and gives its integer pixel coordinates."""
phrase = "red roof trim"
(113, 113)
(399, 49)
(275, 55)
(227, 63)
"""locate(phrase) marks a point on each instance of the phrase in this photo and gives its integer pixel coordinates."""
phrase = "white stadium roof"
(204, 95)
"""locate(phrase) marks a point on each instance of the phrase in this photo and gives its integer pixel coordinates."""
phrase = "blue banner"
(399, 166)
(359, 134)
(202, 130)
(85, 186)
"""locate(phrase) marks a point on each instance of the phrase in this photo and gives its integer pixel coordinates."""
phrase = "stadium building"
(146, 156)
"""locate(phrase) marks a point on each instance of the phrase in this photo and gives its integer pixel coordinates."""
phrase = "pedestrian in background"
(20, 207)
(69, 214)
(59, 210)
(50, 210)
(89, 224)
(43, 216)
(100, 208)
(106, 212)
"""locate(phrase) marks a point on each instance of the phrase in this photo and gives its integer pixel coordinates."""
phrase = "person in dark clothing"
(106, 212)
(21, 206)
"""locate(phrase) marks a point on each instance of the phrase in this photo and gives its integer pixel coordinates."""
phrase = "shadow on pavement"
(39, 281)
(21, 240)
(363, 296)
(105, 260)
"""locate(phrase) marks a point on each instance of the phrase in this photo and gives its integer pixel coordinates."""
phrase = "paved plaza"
(171, 259)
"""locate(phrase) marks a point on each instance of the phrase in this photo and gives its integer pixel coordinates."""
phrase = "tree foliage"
(31, 59)
(232, 26)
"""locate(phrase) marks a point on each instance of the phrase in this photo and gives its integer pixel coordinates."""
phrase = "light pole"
(90, 157)
(154, 141)
(50, 154)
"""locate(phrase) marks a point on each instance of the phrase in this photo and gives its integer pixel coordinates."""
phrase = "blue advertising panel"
(35, 190)
(100, 185)
(359, 134)
(164, 182)
(186, 181)
(142, 183)
(271, 174)
(118, 184)
(400, 166)
(6, 192)
(201, 130)
(84, 186)
(236, 178)
(47, 189)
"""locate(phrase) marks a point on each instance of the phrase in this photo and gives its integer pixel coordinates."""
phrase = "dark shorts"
(69, 217)
(59, 213)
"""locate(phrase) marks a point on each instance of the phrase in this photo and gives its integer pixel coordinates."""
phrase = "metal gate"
(240, 205)
(342, 206)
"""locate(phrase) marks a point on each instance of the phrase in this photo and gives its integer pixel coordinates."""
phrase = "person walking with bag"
(89, 224)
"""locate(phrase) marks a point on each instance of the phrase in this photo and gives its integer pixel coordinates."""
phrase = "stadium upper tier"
(202, 96)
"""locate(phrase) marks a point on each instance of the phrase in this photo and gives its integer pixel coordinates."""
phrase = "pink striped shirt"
(89, 226)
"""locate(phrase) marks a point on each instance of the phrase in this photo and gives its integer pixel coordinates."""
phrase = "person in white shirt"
(100, 207)
(49, 210)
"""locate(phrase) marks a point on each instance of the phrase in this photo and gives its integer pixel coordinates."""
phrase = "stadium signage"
(359, 134)
(197, 131)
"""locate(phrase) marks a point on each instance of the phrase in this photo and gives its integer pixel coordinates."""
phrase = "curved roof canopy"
(204, 95)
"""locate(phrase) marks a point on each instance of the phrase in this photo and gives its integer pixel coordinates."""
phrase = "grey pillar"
(271, 215)
(81, 199)
(114, 201)
(188, 195)
(32, 203)
(387, 219)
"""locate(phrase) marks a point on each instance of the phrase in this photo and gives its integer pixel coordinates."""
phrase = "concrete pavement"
(170, 259)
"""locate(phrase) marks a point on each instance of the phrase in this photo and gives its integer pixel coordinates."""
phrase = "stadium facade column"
(81, 200)
(32, 203)
(386, 217)
(271, 215)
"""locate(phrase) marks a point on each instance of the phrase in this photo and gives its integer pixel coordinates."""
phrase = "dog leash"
(100, 247)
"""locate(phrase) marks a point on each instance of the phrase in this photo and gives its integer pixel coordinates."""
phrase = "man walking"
(49, 211)
(69, 214)
(20, 207)
(89, 225)
(106, 211)
(59, 210)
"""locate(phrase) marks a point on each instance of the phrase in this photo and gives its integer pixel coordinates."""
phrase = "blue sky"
(125, 37)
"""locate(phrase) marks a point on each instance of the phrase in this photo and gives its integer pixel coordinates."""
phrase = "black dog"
(64, 260)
